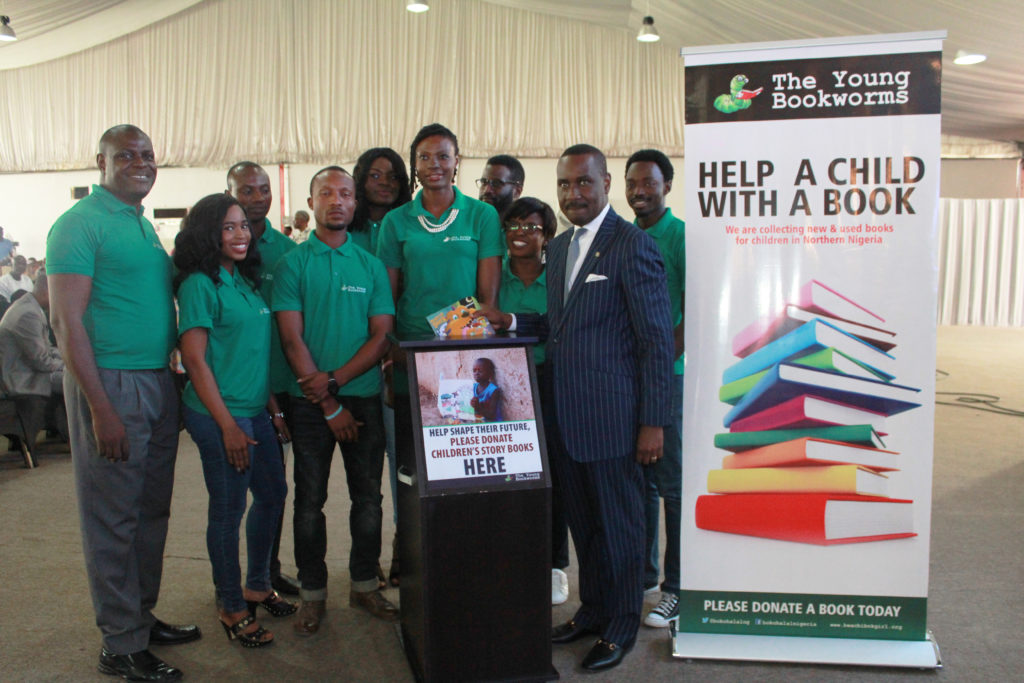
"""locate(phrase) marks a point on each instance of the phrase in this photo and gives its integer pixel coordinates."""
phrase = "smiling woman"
(224, 328)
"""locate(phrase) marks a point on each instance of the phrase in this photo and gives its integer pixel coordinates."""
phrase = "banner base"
(921, 654)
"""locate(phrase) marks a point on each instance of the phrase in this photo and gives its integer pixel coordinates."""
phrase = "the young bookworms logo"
(738, 98)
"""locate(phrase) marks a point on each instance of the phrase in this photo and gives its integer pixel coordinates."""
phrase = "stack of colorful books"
(810, 396)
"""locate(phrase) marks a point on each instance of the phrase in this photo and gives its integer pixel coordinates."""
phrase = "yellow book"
(848, 479)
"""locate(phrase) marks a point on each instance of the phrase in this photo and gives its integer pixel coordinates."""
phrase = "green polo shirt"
(238, 346)
(437, 268)
(130, 314)
(367, 239)
(670, 235)
(518, 298)
(273, 245)
(337, 291)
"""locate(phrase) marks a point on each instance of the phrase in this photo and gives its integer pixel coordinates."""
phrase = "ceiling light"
(965, 57)
(417, 7)
(648, 34)
(6, 32)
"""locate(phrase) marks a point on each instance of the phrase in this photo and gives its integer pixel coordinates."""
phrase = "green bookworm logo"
(738, 98)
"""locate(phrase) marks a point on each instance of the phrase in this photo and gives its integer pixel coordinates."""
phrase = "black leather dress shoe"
(285, 585)
(570, 631)
(138, 666)
(604, 655)
(168, 634)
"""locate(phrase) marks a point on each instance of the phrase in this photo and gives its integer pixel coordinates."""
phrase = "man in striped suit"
(609, 353)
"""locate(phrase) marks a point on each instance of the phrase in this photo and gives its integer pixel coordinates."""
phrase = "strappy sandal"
(237, 632)
(273, 603)
(381, 583)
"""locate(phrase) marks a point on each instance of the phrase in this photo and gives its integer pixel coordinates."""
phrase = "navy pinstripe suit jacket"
(609, 346)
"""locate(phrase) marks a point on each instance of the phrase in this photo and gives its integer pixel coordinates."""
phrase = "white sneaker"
(559, 587)
(651, 590)
(665, 611)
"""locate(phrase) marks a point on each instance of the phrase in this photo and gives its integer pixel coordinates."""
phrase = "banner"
(812, 178)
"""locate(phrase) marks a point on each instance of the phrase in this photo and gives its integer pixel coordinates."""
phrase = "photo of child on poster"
(474, 386)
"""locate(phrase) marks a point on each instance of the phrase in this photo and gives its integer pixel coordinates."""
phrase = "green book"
(833, 360)
(828, 359)
(732, 392)
(861, 435)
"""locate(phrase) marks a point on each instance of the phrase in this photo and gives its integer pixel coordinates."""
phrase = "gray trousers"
(124, 507)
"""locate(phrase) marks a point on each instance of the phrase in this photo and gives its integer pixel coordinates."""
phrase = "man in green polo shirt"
(649, 176)
(113, 315)
(333, 305)
(250, 185)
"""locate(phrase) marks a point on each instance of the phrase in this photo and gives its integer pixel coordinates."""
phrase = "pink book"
(805, 411)
(814, 300)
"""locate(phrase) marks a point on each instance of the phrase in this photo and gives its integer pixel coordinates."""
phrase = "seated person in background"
(29, 362)
(300, 227)
(16, 279)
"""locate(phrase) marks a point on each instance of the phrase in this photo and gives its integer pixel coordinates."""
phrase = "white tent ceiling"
(982, 101)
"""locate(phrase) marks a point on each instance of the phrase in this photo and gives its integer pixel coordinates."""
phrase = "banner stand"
(918, 654)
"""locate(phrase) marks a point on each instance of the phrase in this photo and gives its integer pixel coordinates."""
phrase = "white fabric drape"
(981, 262)
(323, 80)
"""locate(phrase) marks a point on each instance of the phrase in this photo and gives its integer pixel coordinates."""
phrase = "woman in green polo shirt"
(438, 248)
(442, 245)
(224, 328)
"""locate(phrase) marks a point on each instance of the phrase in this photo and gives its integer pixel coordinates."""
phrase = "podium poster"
(812, 181)
(478, 418)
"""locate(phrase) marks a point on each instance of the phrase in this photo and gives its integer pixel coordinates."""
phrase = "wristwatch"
(332, 384)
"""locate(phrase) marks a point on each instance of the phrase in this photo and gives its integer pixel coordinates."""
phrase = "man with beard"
(502, 182)
(649, 176)
(333, 305)
(250, 185)
(113, 315)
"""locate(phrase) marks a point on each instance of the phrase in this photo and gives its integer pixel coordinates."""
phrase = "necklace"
(434, 227)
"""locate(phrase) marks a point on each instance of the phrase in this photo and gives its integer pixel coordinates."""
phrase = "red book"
(808, 411)
(815, 518)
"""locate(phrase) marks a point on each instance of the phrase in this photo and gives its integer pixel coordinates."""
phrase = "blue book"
(810, 337)
(786, 380)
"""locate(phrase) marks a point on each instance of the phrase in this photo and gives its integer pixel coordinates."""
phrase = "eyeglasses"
(495, 183)
(529, 229)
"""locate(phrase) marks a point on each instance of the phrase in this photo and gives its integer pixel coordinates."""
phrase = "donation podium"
(474, 515)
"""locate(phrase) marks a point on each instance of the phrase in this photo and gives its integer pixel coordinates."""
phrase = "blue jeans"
(228, 488)
(664, 480)
(313, 446)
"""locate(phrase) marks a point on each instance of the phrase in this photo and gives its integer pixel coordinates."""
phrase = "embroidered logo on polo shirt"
(354, 289)
(458, 238)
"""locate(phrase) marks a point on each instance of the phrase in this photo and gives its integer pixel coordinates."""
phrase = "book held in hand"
(456, 320)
